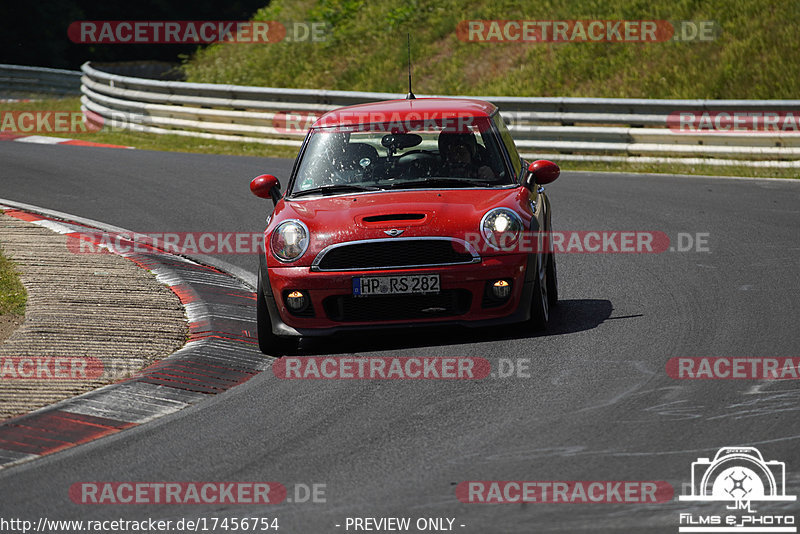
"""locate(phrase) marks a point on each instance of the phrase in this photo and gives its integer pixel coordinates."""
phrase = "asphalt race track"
(598, 404)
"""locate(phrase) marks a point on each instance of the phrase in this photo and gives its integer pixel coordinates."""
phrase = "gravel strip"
(91, 320)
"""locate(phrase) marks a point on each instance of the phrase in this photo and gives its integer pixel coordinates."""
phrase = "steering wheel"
(418, 151)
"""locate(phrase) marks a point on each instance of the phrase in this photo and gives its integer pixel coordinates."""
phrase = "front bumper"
(335, 310)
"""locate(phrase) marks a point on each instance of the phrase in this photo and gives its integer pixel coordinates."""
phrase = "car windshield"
(384, 156)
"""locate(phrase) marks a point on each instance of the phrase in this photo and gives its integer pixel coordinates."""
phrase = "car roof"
(406, 110)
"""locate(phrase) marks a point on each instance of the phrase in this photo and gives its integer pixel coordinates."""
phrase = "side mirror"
(541, 172)
(266, 186)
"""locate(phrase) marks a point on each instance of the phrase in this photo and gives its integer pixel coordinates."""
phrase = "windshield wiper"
(454, 182)
(334, 189)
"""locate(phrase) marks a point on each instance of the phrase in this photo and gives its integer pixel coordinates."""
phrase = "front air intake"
(395, 253)
(399, 217)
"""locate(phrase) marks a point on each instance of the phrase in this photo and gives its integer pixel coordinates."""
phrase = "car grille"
(394, 253)
(345, 308)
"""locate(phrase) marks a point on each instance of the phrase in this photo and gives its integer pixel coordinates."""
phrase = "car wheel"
(268, 342)
(540, 305)
(552, 281)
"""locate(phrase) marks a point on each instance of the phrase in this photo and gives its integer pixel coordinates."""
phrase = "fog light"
(296, 300)
(501, 289)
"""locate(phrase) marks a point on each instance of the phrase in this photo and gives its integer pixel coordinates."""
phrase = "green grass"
(12, 293)
(676, 168)
(754, 56)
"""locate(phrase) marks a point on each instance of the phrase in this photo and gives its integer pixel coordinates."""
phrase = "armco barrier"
(599, 129)
(20, 79)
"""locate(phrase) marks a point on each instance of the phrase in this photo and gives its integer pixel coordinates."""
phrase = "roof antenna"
(410, 95)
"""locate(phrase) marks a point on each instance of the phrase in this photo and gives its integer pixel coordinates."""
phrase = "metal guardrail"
(602, 129)
(20, 79)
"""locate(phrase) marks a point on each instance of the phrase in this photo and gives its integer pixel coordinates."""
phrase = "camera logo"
(738, 474)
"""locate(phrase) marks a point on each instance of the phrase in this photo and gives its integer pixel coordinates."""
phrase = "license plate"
(395, 285)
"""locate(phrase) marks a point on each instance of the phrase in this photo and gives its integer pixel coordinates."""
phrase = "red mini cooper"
(405, 212)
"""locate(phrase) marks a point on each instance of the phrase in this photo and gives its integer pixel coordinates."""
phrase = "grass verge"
(12, 293)
(753, 52)
(678, 168)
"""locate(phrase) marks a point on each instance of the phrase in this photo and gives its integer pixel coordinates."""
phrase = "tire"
(540, 301)
(269, 343)
(552, 280)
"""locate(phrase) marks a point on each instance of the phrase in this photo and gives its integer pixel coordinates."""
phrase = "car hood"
(451, 213)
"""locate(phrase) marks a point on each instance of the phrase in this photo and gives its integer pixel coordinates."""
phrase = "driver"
(458, 152)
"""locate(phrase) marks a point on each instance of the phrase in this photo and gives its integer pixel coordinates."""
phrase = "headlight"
(289, 240)
(501, 228)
